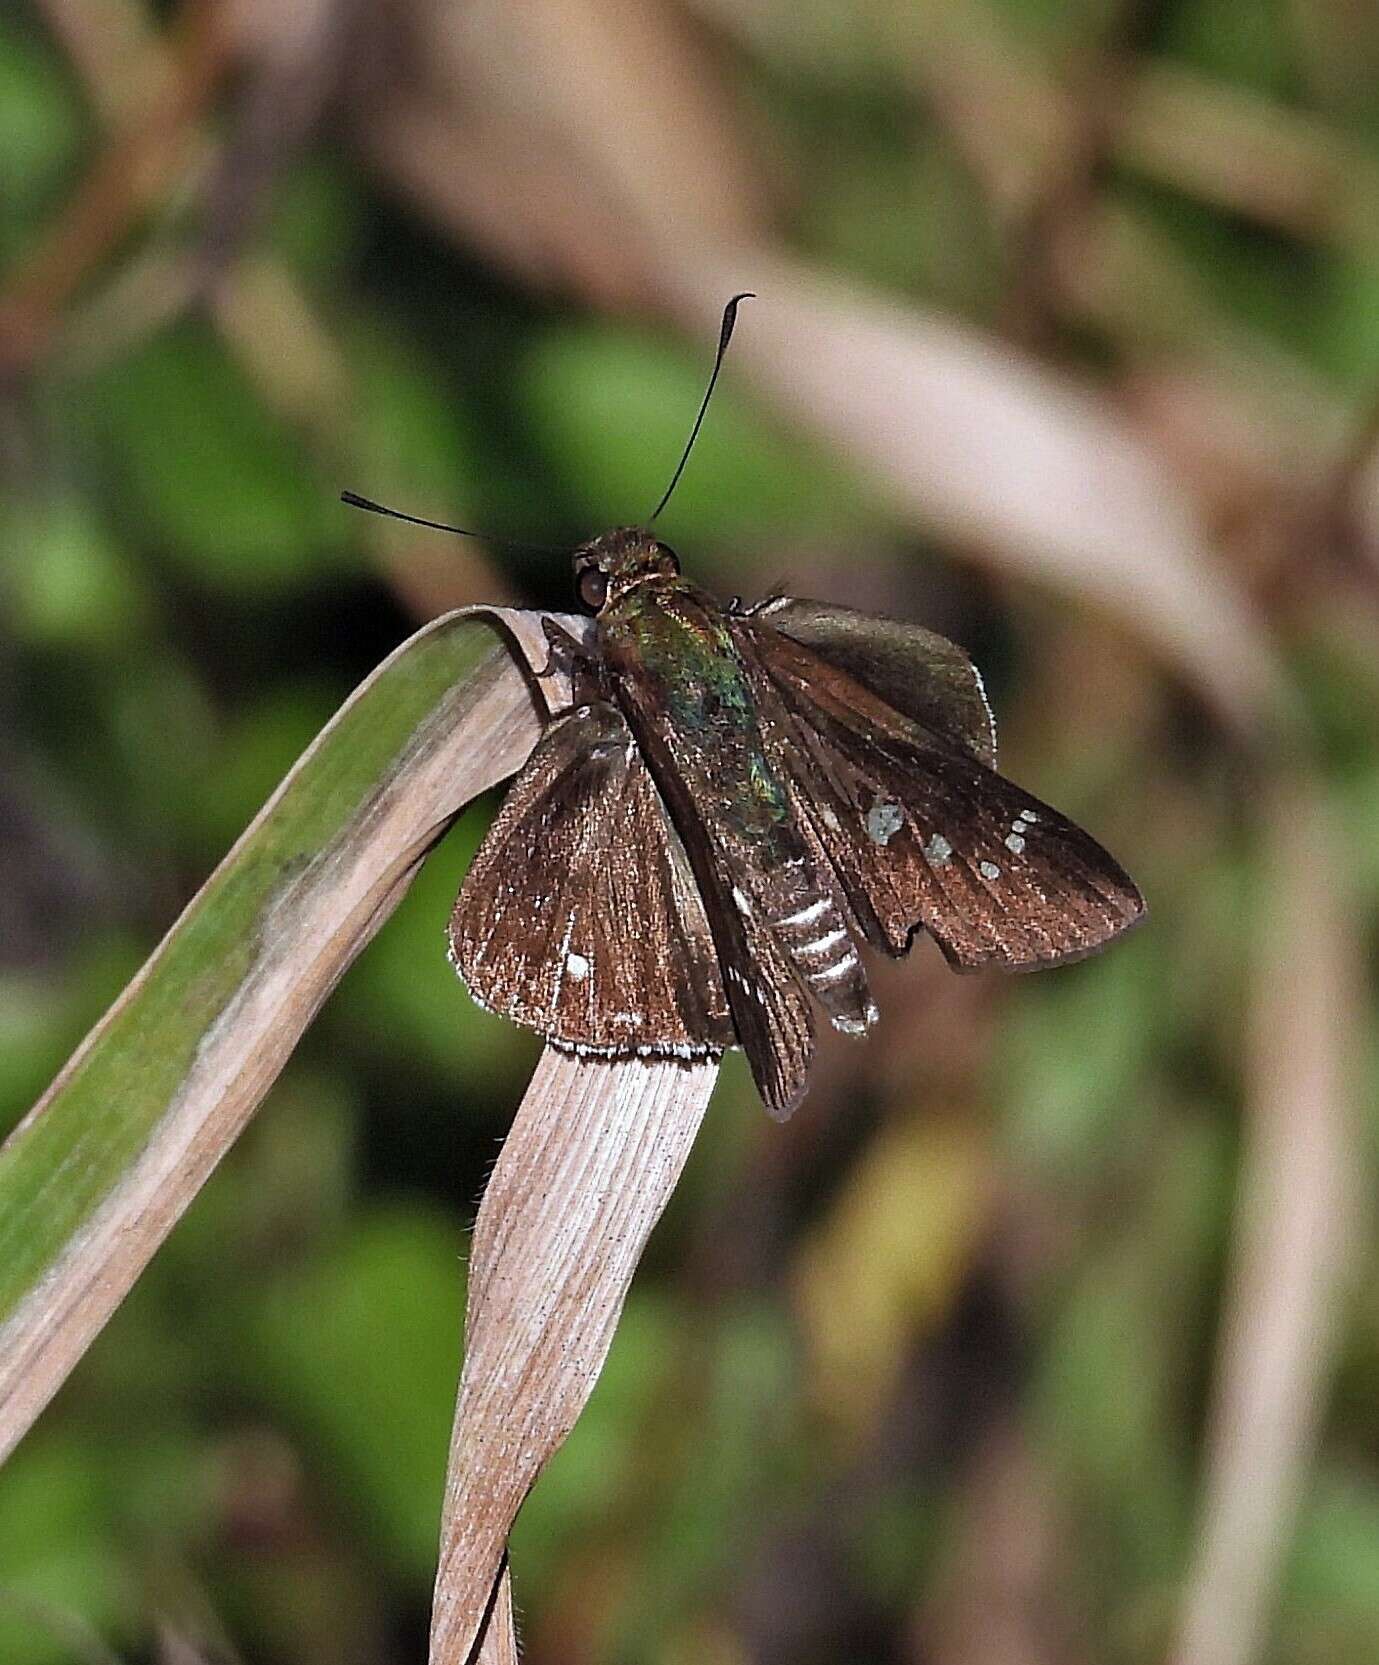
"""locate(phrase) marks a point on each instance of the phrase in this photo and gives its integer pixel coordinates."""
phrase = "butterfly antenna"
(355, 501)
(725, 335)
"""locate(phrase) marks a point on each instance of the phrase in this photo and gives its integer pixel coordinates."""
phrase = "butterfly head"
(614, 562)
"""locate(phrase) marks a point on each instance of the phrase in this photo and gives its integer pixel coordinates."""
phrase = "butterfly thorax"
(674, 667)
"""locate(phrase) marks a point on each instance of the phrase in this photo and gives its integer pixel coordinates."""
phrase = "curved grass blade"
(592, 1158)
(98, 1172)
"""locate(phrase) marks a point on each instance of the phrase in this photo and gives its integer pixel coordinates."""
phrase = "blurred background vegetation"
(1046, 1332)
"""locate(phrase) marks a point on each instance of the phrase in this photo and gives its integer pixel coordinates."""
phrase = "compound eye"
(593, 588)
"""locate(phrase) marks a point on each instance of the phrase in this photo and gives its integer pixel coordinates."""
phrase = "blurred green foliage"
(257, 1443)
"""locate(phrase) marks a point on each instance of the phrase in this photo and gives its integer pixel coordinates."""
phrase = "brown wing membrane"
(922, 833)
(917, 672)
(770, 1009)
(579, 915)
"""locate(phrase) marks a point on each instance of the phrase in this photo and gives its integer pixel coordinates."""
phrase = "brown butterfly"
(739, 800)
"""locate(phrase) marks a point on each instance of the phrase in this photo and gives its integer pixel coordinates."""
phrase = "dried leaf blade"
(592, 1159)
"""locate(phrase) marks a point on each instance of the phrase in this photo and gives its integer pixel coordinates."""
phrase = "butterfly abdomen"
(805, 918)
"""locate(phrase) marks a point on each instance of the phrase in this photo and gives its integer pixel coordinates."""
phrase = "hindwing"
(917, 672)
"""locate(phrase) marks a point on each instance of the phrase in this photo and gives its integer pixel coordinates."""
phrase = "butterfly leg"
(567, 657)
(563, 652)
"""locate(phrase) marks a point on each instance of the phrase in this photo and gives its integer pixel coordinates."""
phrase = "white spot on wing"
(989, 870)
(830, 820)
(885, 818)
(577, 967)
(744, 905)
(938, 850)
(831, 972)
(1014, 842)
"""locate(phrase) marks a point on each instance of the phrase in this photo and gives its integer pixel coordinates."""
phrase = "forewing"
(922, 833)
(917, 672)
(579, 916)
